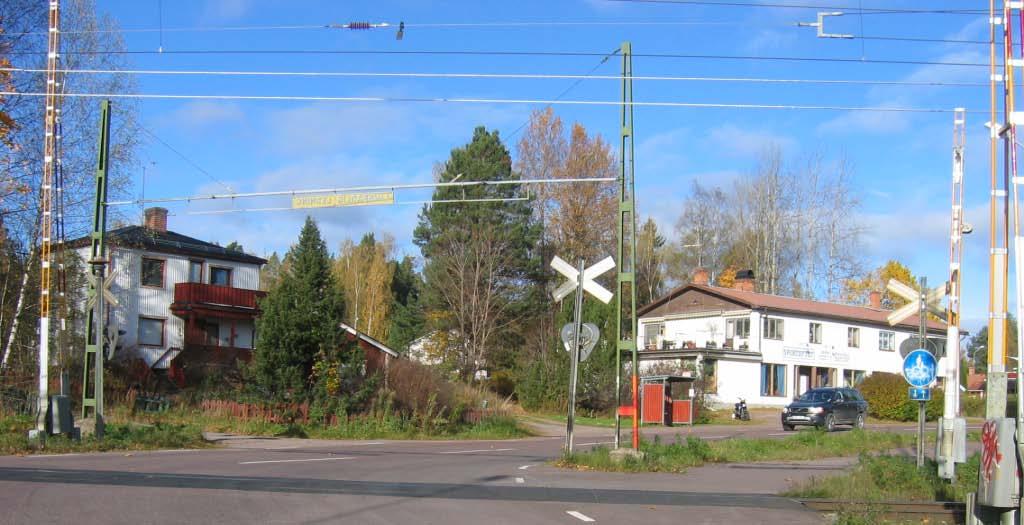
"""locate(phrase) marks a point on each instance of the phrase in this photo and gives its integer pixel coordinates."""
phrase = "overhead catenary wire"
(484, 25)
(352, 189)
(570, 87)
(461, 100)
(525, 76)
(495, 53)
(425, 25)
(866, 10)
(396, 203)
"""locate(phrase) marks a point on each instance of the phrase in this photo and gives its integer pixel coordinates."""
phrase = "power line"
(511, 53)
(185, 158)
(866, 11)
(533, 76)
(461, 100)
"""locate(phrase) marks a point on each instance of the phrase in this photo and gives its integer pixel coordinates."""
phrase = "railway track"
(895, 512)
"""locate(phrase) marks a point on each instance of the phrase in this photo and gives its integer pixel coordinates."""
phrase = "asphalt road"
(259, 480)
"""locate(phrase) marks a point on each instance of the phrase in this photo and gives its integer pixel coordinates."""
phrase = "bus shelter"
(667, 400)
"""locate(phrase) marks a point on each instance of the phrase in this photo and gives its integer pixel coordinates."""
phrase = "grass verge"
(876, 480)
(693, 452)
(360, 427)
(119, 436)
(183, 428)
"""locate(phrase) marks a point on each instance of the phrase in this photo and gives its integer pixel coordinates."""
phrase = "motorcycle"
(740, 411)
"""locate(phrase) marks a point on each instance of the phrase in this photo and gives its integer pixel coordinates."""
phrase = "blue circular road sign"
(919, 368)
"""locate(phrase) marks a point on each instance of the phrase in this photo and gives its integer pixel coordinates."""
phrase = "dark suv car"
(825, 408)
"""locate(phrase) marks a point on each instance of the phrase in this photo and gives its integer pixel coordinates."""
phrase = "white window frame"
(732, 325)
(774, 328)
(889, 337)
(853, 337)
(814, 333)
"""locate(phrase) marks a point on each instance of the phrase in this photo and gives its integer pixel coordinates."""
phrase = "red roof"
(778, 303)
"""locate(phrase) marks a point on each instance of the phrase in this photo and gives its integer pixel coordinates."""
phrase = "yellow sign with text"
(343, 199)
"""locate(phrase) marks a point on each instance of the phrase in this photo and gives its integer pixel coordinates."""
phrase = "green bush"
(888, 397)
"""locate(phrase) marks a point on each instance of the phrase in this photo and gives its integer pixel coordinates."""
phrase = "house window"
(815, 334)
(853, 337)
(651, 333)
(852, 378)
(772, 328)
(220, 276)
(195, 271)
(737, 328)
(153, 272)
(773, 380)
(151, 331)
(886, 341)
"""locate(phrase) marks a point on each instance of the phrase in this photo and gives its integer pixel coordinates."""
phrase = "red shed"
(378, 355)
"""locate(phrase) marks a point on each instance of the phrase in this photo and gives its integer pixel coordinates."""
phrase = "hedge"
(888, 398)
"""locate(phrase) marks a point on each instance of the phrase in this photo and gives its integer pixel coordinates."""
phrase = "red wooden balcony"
(200, 297)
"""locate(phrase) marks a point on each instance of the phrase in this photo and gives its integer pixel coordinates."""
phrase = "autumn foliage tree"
(364, 275)
(857, 290)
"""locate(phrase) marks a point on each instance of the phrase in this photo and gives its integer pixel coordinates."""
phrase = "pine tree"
(299, 321)
(480, 261)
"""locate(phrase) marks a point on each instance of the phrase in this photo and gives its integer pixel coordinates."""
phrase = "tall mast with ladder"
(46, 207)
(951, 407)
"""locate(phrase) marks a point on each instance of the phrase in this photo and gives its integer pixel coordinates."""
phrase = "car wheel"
(830, 423)
(860, 421)
(788, 428)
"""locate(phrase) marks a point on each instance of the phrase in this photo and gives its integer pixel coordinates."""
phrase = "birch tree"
(364, 275)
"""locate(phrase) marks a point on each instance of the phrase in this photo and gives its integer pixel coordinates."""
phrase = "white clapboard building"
(180, 300)
(765, 348)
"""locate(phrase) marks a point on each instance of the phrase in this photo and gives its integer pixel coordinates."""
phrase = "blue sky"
(901, 161)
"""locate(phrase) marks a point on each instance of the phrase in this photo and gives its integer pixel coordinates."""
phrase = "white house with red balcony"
(183, 303)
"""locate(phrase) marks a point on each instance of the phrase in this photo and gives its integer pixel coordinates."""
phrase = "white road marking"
(478, 450)
(597, 443)
(307, 446)
(294, 460)
(524, 467)
(520, 480)
(781, 434)
(713, 437)
(579, 515)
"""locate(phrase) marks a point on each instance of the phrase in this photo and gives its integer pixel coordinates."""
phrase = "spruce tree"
(406, 311)
(299, 321)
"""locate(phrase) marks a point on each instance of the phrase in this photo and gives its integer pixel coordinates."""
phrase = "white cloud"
(221, 10)
(326, 127)
(201, 114)
(767, 40)
(731, 140)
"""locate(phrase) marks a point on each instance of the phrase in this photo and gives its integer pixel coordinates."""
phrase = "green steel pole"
(93, 360)
(626, 280)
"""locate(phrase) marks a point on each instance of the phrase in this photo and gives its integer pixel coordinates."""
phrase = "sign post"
(578, 337)
(919, 366)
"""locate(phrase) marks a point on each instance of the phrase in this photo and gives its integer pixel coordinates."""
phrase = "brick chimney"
(875, 299)
(744, 281)
(156, 219)
(700, 276)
